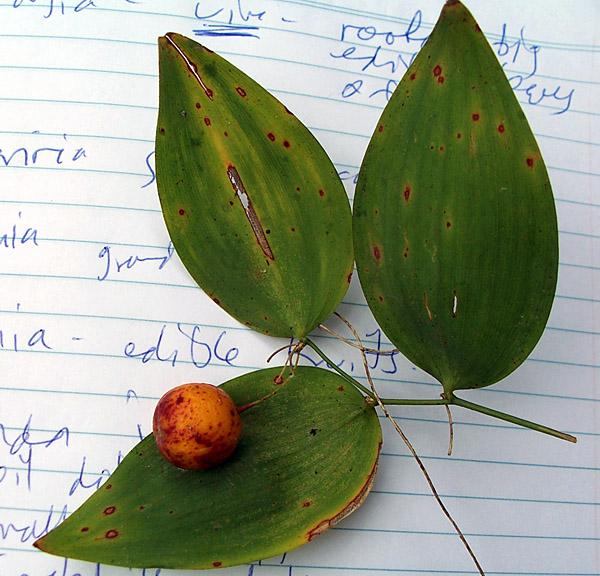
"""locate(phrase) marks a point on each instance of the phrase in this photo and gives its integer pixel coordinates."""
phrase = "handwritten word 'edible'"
(115, 265)
(198, 350)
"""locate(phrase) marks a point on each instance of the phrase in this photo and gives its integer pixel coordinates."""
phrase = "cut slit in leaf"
(253, 204)
(307, 458)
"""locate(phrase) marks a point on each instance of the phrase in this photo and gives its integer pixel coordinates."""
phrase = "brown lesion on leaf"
(244, 198)
(353, 505)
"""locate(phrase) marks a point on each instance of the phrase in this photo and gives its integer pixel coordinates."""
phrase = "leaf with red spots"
(307, 458)
(231, 163)
(471, 299)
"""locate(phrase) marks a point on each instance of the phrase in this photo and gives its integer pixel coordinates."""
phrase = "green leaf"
(307, 458)
(255, 208)
(455, 228)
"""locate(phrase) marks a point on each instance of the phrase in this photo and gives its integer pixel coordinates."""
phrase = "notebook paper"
(98, 317)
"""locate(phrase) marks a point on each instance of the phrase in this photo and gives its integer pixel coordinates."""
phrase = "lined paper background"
(98, 317)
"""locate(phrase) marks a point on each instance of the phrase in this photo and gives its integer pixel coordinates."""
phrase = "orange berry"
(196, 426)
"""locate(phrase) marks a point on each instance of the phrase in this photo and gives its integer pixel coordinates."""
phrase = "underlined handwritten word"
(198, 350)
(237, 19)
(115, 265)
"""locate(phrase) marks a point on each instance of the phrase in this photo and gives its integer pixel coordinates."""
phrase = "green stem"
(343, 374)
(512, 419)
(449, 400)
(416, 402)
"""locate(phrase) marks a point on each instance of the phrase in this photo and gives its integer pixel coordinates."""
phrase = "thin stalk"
(343, 374)
(512, 419)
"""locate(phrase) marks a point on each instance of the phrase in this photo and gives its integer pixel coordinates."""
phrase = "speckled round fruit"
(196, 426)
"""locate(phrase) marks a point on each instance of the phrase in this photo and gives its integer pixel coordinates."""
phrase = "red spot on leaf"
(306, 504)
(217, 564)
(109, 510)
(271, 136)
(441, 80)
(340, 388)
(241, 91)
(459, 135)
(198, 105)
(111, 534)
(85, 529)
(209, 93)
(225, 134)
(437, 70)
(448, 224)
(530, 162)
(293, 229)
(412, 76)
(108, 486)
(286, 144)
(181, 212)
(207, 120)
(321, 192)
(380, 129)
(376, 252)
(475, 117)
(407, 192)
(501, 128)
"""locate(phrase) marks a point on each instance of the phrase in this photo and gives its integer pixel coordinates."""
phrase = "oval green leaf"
(307, 458)
(254, 207)
(455, 227)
